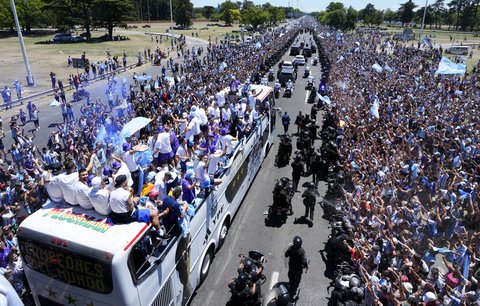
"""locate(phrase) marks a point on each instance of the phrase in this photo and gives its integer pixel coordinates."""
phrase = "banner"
(446, 66)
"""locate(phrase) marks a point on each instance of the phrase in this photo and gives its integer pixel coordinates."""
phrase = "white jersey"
(68, 183)
(118, 200)
(100, 200)
(81, 192)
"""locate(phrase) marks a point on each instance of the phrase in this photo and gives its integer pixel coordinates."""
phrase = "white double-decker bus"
(73, 256)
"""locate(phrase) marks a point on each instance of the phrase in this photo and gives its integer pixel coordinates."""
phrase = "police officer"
(285, 122)
(309, 199)
(297, 171)
(296, 263)
(299, 121)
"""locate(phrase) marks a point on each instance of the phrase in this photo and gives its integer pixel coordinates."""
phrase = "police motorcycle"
(276, 89)
(288, 89)
(284, 152)
(315, 61)
(278, 296)
(245, 289)
(306, 72)
(283, 193)
(310, 82)
(271, 75)
(264, 81)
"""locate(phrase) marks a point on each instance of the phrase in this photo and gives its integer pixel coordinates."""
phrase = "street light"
(30, 81)
(423, 21)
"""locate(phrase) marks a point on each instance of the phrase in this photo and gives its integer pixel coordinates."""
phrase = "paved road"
(49, 116)
(249, 231)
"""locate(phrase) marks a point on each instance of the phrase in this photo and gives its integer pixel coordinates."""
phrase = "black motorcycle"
(288, 92)
(277, 92)
(283, 193)
(278, 296)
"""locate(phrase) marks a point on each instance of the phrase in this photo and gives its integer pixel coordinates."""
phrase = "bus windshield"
(67, 266)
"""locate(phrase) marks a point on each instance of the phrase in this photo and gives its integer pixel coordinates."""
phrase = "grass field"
(44, 57)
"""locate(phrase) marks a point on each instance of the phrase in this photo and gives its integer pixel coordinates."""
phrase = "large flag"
(427, 41)
(446, 66)
(374, 110)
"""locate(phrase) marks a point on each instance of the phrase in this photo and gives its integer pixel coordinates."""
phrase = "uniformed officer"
(297, 261)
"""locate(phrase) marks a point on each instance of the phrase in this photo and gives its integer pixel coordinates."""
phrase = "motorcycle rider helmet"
(297, 241)
(242, 279)
(284, 181)
(248, 265)
(354, 282)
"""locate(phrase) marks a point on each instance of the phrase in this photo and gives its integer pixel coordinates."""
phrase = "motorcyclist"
(310, 199)
(241, 287)
(264, 80)
(307, 70)
(310, 79)
(289, 85)
(251, 269)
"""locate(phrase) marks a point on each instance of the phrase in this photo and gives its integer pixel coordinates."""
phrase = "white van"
(457, 50)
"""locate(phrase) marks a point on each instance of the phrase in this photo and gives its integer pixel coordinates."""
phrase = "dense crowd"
(410, 144)
(150, 174)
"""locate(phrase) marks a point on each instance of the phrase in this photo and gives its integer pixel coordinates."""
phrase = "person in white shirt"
(226, 142)
(166, 154)
(68, 180)
(202, 117)
(202, 174)
(154, 144)
(50, 179)
(129, 159)
(82, 189)
(99, 196)
(119, 167)
(220, 97)
(123, 209)
(183, 154)
(226, 113)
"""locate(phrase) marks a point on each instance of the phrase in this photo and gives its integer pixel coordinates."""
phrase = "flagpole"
(30, 80)
(423, 21)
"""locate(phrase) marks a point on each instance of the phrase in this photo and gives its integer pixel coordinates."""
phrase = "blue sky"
(319, 5)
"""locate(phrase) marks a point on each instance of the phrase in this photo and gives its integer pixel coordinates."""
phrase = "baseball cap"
(96, 182)
(152, 194)
(429, 297)
(116, 164)
(126, 146)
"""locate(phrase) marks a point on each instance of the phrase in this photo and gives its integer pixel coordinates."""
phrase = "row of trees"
(66, 14)
(458, 14)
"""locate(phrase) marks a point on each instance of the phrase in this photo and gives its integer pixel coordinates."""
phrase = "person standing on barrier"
(297, 261)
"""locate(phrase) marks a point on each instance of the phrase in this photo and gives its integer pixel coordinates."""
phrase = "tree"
(110, 13)
(226, 11)
(254, 16)
(389, 16)
(275, 14)
(369, 14)
(183, 14)
(337, 18)
(438, 10)
(208, 11)
(351, 18)
(333, 6)
(6, 17)
(428, 16)
(406, 12)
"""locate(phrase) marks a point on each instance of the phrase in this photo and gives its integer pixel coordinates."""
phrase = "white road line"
(307, 93)
(273, 280)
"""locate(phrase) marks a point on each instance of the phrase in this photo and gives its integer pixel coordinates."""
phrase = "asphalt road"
(250, 232)
(50, 116)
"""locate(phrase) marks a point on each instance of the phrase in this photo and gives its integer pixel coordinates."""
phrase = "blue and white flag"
(446, 66)
(377, 67)
(427, 41)
(374, 110)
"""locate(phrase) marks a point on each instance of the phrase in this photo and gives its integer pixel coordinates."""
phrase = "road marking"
(306, 96)
(273, 280)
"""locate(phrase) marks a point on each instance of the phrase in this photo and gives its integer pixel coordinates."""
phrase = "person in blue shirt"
(176, 211)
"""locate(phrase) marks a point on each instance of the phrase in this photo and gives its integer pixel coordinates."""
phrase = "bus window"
(67, 266)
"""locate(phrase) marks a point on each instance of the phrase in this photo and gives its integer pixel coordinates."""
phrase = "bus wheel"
(223, 233)
(207, 260)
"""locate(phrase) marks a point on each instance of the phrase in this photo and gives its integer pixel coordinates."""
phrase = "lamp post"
(171, 24)
(423, 21)
(30, 81)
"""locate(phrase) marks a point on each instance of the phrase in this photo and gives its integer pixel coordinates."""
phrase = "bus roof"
(261, 91)
(82, 228)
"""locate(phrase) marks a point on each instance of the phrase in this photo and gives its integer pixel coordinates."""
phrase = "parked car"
(66, 37)
(457, 50)
(299, 60)
(243, 30)
(407, 34)
(146, 26)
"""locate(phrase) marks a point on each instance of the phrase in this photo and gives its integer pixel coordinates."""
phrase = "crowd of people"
(151, 175)
(409, 142)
